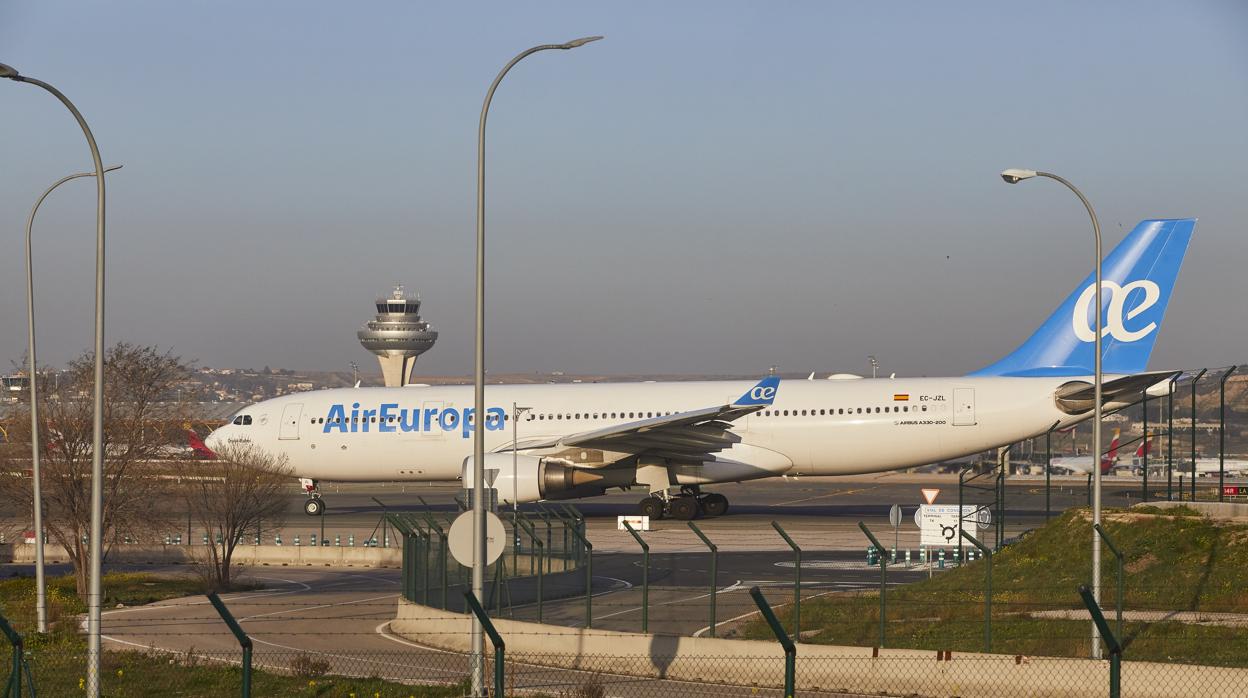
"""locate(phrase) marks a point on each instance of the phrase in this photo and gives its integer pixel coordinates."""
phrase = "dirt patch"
(1140, 564)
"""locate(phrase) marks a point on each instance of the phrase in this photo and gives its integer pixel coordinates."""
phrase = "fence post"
(1048, 472)
(1003, 464)
(883, 571)
(714, 570)
(537, 543)
(500, 647)
(442, 545)
(422, 540)
(987, 590)
(565, 551)
(961, 484)
(408, 558)
(541, 511)
(589, 576)
(1144, 458)
(1222, 435)
(571, 521)
(243, 640)
(1111, 642)
(1170, 440)
(645, 578)
(797, 580)
(14, 687)
(1117, 554)
(790, 649)
(1194, 380)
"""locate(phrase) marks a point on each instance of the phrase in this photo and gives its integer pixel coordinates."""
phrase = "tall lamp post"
(1014, 176)
(97, 426)
(41, 593)
(516, 411)
(478, 445)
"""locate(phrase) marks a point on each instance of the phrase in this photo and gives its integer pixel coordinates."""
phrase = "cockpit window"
(242, 420)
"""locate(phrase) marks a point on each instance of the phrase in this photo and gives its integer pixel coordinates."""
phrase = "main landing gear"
(686, 506)
(313, 505)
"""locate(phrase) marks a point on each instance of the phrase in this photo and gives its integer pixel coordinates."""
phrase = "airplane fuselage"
(814, 427)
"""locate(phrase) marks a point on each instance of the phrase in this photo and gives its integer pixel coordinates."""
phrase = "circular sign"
(983, 517)
(459, 539)
(894, 515)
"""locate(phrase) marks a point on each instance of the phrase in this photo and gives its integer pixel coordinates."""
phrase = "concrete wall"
(263, 555)
(823, 667)
(1215, 510)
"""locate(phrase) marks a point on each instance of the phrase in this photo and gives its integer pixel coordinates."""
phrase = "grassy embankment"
(1176, 560)
(58, 664)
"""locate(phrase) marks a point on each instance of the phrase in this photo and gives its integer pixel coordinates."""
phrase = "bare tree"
(240, 494)
(135, 379)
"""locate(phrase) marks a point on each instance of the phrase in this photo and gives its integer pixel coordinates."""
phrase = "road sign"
(1234, 490)
(639, 523)
(459, 539)
(929, 494)
(983, 517)
(894, 515)
(938, 523)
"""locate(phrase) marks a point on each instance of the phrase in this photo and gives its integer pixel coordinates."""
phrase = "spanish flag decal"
(901, 397)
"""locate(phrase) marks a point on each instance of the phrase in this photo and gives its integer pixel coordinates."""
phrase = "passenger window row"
(890, 409)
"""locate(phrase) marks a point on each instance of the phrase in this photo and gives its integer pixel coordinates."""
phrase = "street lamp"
(97, 426)
(1014, 176)
(478, 445)
(516, 411)
(41, 596)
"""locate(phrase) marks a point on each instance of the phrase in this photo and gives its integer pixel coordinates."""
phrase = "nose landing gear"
(314, 505)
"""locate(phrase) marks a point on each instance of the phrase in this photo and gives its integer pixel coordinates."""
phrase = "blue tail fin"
(1138, 278)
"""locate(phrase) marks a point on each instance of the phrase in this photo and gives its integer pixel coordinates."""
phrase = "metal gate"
(291, 416)
(963, 407)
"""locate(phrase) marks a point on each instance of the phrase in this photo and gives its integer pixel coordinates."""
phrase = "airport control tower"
(397, 336)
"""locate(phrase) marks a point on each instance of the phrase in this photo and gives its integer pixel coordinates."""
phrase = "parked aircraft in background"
(1082, 465)
(672, 439)
(1209, 467)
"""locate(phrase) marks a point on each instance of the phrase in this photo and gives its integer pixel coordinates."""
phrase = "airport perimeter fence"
(153, 673)
(545, 547)
(341, 662)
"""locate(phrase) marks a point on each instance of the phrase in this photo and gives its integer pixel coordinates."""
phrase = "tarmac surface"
(820, 513)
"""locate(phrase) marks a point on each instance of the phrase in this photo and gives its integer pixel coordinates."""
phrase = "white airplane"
(673, 439)
(1082, 465)
(1209, 467)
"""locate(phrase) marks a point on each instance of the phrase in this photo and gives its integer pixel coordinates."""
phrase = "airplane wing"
(685, 436)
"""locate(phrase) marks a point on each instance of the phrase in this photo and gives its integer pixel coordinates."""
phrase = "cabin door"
(963, 407)
(291, 417)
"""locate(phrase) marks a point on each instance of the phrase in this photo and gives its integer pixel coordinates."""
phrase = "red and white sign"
(929, 495)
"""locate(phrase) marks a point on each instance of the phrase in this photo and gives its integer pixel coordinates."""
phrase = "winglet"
(763, 393)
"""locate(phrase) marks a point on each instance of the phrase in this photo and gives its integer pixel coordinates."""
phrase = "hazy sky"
(716, 187)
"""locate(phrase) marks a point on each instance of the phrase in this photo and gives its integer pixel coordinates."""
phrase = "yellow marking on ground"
(821, 496)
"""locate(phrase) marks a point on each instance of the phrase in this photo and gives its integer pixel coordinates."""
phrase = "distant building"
(14, 384)
(397, 336)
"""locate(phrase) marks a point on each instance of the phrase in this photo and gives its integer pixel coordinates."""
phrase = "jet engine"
(537, 478)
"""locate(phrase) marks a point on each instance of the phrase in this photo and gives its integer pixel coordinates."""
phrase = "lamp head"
(576, 43)
(8, 72)
(1014, 176)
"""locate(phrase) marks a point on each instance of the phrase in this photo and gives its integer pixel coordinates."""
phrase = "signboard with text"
(938, 523)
